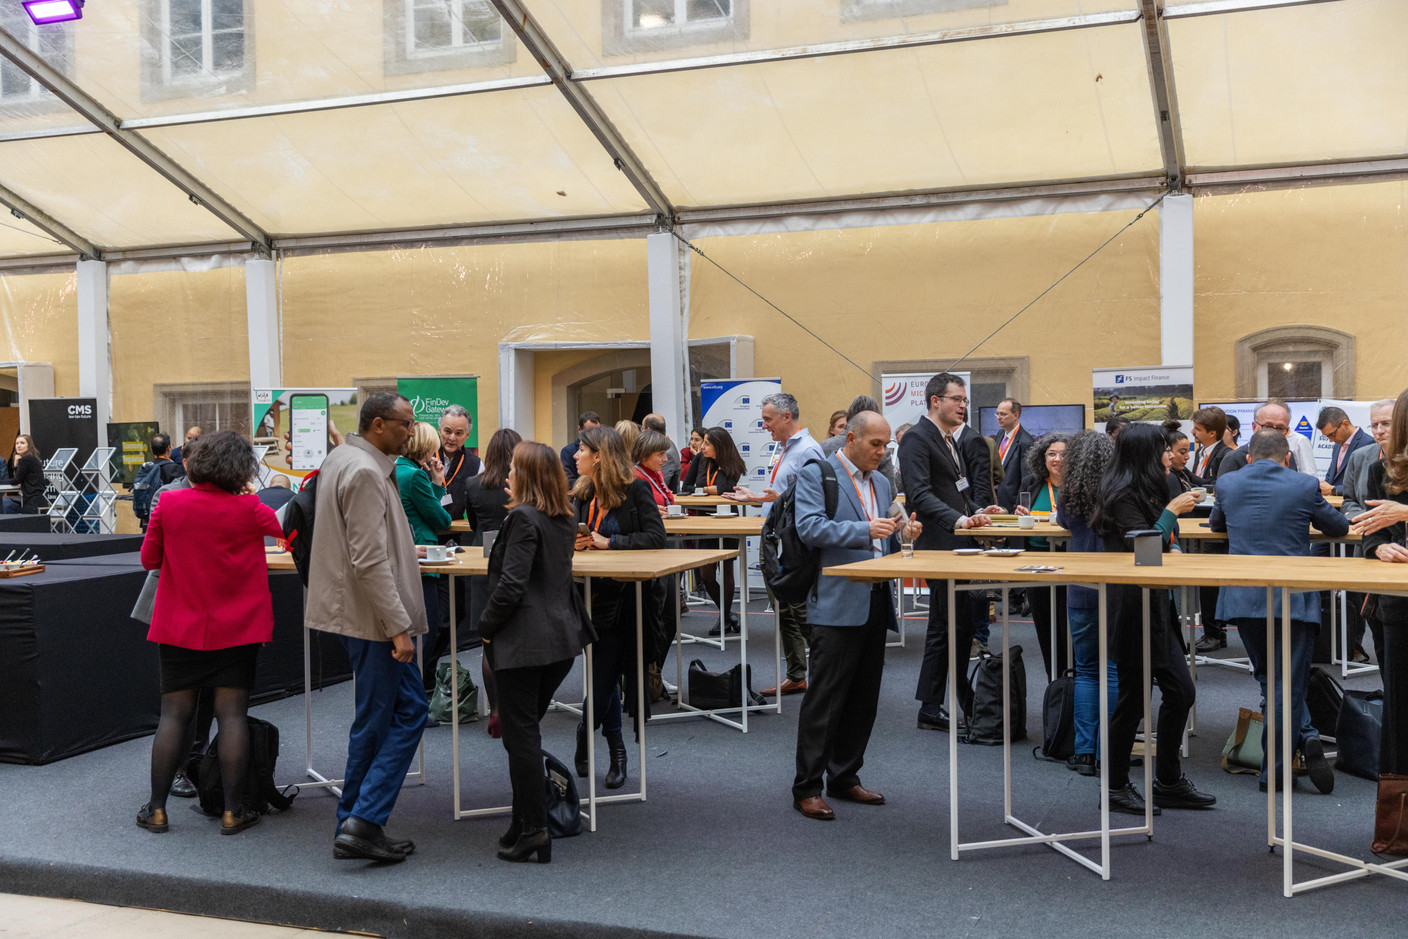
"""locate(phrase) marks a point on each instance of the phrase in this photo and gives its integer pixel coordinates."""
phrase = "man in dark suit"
(848, 620)
(1268, 509)
(569, 452)
(938, 488)
(1336, 426)
(1012, 445)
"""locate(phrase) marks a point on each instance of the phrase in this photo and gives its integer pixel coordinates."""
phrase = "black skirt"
(207, 668)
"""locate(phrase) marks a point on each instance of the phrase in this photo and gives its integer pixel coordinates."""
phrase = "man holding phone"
(364, 586)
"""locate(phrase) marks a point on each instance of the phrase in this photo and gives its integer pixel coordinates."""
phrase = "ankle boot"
(616, 776)
(537, 841)
(580, 758)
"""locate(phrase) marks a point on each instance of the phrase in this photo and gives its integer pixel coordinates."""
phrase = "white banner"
(1153, 394)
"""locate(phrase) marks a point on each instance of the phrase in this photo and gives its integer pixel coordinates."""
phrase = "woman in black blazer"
(723, 467)
(615, 512)
(486, 507)
(533, 627)
(26, 471)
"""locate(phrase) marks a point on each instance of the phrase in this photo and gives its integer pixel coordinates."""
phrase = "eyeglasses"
(959, 398)
(1281, 427)
(401, 420)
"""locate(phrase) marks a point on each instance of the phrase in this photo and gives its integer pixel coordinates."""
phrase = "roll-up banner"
(294, 428)
(64, 423)
(431, 394)
(904, 401)
(736, 405)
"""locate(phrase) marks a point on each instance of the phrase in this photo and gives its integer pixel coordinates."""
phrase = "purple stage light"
(53, 11)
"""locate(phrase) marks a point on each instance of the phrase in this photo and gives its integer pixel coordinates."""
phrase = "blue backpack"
(146, 484)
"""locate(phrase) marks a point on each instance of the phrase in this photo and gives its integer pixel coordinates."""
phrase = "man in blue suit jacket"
(1336, 426)
(1267, 509)
(848, 620)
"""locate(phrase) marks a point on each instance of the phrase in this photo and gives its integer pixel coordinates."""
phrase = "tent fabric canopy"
(258, 123)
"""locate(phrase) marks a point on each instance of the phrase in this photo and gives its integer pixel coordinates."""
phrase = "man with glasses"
(1270, 416)
(940, 488)
(364, 586)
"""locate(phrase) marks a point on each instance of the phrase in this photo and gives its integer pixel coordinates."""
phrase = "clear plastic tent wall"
(320, 127)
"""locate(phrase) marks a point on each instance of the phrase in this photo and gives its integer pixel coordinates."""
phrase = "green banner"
(430, 396)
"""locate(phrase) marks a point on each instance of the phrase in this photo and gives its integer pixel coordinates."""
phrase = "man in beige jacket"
(364, 585)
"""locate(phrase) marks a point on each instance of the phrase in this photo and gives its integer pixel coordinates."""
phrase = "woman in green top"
(1042, 483)
(421, 478)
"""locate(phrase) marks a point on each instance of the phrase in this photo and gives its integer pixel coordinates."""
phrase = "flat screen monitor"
(1038, 419)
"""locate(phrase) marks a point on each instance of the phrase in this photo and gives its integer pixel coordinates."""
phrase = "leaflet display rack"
(82, 499)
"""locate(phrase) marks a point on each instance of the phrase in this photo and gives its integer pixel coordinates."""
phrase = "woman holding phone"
(533, 627)
(615, 512)
(420, 478)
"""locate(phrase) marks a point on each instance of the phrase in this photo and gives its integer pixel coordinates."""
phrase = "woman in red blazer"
(213, 609)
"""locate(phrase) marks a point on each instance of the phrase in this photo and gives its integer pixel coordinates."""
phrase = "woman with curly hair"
(1088, 453)
(1042, 482)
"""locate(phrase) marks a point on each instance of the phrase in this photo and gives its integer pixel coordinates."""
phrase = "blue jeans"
(1253, 633)
(1085, 641)
(391, 711)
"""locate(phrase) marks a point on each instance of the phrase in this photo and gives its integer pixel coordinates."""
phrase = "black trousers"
(429, 587)
(1393, 664)
(524, 696)
(1357, 622)
(843, 690)
(933, 671)
(1169, 669)
(1040, 600)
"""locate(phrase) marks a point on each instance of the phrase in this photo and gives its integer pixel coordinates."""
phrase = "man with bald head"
(848, 620)
(1270, 416)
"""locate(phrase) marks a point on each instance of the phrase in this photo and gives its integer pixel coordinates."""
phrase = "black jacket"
(1335, 474)
(931, 483)
(1014, 467)
(533, 615)
(458, 472)
(698, 476)
(1217, 454)
(28, 474)
(484, 509)
(1393, 533)
(639, 526)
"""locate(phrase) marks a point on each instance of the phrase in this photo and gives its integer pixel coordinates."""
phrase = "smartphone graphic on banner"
(308, 431)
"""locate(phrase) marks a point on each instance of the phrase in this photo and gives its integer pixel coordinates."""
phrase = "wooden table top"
(704, 502)
(744, 525)
(1189, 529)
(1301, 573)
(618, 565)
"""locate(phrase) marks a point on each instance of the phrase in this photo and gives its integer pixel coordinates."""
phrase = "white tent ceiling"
(229, 124)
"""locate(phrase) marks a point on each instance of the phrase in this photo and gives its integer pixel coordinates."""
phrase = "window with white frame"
(54, 44)
(201, 40)
(211, 405)
(431, 35)
(645, 25)
(1295, 363)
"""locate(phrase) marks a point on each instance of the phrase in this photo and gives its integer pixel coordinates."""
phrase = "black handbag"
(1058, 719)
(985, 710)
(711, 691)
(564, 805)
(1357, 733)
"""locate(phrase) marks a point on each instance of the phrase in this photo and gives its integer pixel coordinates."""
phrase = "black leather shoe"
(361, 840)
(1128, 801)
(153, 820)
(537, 842)
(936, 720)
(1083, 763)
(732, 626)
(1182, 795)
(232, 823)
(616, 775)
(182, 787)
(1211, 643)
(1317, 767)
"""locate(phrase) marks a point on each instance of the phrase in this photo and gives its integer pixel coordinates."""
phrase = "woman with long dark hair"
(26, 468)
(213, 610)
(1088, 454)
(724, 468)
(619, 514)
(533, 629)
(1042, 481)
(1180, 477)
(486, 507)
(1133, 496)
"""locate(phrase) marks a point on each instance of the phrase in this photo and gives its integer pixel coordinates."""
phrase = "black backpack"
(298, 524)
(1058, 719)
(1324, 696)
(984, 708)
(261, 793)
(147, 482)
(790, 565)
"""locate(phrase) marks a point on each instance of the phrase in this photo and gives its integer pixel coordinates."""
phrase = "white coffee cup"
(1199, 493)
(674, 510)
(1026, 521)
(437, 552)
(723, 510)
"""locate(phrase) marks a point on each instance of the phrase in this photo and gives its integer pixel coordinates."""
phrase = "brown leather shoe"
(788, 687)
(814, 807)
(859, 794)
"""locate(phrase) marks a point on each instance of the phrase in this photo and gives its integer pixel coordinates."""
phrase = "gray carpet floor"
(717, 850)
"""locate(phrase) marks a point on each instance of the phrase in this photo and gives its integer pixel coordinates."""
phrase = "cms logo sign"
(80, 410)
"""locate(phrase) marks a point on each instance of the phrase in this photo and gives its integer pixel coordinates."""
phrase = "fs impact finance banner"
(430, 395)
(736, 405)
(1143, 394)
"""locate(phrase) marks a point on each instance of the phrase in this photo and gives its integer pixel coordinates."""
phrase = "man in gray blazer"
(364, 586)
(848, 620)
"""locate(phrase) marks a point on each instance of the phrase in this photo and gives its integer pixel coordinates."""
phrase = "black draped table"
(56, 547)
(34, 524)
(79, 673)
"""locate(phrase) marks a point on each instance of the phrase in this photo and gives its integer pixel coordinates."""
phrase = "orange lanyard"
(458, 466)
(861, 499)
(1203, 465)
(778, 465)
(1051, 494)
(594, 522)
(709, 477)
